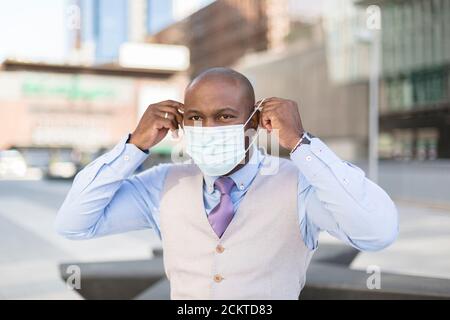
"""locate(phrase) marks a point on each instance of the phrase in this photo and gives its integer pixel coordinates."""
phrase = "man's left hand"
(282, 115)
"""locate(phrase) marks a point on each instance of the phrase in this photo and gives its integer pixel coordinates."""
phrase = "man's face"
(217, 103)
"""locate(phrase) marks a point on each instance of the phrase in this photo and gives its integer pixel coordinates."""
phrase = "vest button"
(219, 248)
(218, 278)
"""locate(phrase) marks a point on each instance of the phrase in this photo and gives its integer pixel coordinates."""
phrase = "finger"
(172, 103)
(163, 123)
(265, 121)
(270, 99)
(272, 102)
(175, 104)
(178, 106)
(169, 116)
(263, 103)
(172, 113)
(271, 107)
(165, 115)
(259, 101)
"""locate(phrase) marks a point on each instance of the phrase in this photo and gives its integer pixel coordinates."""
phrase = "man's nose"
(210, 122)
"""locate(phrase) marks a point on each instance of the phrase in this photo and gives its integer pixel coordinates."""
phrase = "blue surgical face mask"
(218, 150)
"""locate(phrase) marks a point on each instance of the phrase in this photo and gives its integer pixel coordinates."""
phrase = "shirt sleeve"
(335, 196)
(106, 198)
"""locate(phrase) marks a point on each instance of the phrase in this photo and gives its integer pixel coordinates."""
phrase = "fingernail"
(180, 111)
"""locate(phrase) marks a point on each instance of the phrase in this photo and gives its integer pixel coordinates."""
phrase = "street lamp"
(373, 38)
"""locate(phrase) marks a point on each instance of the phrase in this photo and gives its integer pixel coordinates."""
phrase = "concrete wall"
(426, 182)
(336, 113)
(421, 182)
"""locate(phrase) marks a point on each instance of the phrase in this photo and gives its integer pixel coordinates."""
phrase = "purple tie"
(220, 217)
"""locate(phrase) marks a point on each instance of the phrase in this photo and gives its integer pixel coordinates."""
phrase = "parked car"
(12, 164)
(62, 169)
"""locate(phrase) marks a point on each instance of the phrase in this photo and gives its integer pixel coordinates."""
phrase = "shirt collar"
(242, 177)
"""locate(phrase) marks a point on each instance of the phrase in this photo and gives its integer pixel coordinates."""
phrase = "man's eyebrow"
(194, 111)
(227, 109)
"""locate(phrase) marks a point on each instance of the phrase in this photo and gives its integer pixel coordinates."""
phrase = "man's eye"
(226, 117)
(195, 118)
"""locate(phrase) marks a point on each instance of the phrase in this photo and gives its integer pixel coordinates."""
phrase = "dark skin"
(219, 101)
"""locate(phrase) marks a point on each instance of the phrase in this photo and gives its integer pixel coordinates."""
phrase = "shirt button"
(241, 187)
(220, 248)
(308, 158)
(126, 158)
(218, 278)
(345, 181)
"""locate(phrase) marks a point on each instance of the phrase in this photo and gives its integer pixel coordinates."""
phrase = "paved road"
(422, 248)
(418, 181)
(30, 251)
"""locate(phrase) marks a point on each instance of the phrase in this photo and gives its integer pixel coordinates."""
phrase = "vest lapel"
(237, 214)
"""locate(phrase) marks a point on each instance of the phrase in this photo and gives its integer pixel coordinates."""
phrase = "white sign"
(154, 56)
(157, 92)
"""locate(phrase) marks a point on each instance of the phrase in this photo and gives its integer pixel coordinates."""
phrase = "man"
(228, 230)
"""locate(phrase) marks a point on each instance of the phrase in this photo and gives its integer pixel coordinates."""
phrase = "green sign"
(71, 90)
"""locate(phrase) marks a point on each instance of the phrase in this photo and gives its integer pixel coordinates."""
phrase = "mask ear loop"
(258, 108)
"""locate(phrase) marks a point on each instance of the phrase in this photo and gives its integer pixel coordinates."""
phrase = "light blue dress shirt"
(333, 196)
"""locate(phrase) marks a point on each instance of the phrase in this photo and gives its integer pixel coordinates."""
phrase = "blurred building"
(107, 24)
(415, 51)
(162, 13)
(336, 112)
(159, 13)
(415, 119)
(48, 108)
(280, 39)
(347, 52)
(225, 30)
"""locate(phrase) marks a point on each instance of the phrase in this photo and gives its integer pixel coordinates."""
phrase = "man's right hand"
(156, 121)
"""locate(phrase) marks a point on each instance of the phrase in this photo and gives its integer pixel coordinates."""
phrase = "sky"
(38, 29)
(309, 9)
(33, 29)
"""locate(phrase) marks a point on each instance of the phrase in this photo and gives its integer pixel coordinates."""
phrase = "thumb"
(265, 122)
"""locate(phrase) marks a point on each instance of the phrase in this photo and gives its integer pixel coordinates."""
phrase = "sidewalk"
(30, 250)
(422, 247)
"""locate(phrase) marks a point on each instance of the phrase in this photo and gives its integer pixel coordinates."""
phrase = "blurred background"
(371, 78)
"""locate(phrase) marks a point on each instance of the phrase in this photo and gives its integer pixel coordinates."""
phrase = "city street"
(370, 79)
(30, 250)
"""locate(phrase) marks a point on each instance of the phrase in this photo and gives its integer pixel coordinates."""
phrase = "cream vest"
(261, 255)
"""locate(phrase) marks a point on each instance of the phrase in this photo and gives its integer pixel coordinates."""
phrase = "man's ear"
(254, 122)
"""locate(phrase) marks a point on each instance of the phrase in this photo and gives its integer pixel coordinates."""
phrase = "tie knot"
(224, 184)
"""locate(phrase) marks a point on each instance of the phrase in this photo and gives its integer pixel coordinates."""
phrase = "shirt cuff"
(125, 158)
(313, 158)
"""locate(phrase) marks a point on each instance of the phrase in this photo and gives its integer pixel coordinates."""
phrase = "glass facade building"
(160, 15)
(105, 26)
(416, 78)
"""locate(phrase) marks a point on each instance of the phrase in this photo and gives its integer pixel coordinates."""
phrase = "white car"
(61, 169)
(12, 164)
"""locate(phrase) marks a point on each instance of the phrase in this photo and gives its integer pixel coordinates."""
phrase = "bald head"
(220, 79)
(220, 97)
